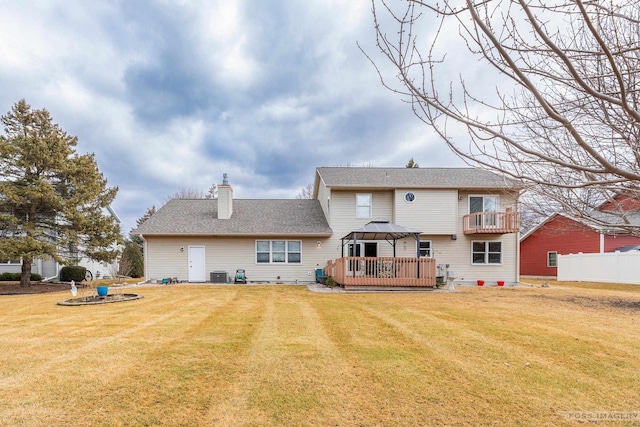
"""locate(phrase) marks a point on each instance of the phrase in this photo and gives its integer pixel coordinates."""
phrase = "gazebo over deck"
(354, 272)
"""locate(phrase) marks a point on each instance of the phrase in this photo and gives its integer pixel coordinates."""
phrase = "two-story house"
(465, 218)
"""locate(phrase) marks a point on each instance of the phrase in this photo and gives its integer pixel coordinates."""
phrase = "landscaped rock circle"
(94, 299)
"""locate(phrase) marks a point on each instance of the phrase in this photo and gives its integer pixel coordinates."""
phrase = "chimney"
(225, 199)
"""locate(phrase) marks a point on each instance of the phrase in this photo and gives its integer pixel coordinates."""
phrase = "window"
(486, 253)
(263, 251)
(479, 204)
(483, 204)
(363, 205)
(278, 252)
(425, 249)
(294, 252)
(10, 261)
(410, 197)
(552, 259)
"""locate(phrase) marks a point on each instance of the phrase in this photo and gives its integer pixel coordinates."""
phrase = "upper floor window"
(488, 252)
(480, 204)
(363, 206)
(10, 261)
(483, 204)
(552, 259)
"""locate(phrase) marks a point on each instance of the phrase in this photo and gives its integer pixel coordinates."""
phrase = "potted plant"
(480, 282)
(500, 282)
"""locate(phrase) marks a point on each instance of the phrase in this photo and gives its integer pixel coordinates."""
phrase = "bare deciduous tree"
(186, 193)
(212, 193)
(306, 192)
(563, 113)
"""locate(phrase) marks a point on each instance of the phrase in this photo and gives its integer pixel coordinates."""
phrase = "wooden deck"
(491, 223)
(385, 272)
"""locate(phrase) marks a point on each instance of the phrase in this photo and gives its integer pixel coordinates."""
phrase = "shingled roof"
(299, 217)
(460, 178)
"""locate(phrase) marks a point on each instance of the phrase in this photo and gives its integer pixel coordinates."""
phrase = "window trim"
(369, 205)
(549, 259)
(486, 252)
(409, 197)
(271, 252)
(10, 262)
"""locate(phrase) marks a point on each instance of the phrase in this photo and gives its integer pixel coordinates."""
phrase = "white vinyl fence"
(617, 267)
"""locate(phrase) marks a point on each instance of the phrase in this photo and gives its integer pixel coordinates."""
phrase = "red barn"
(562, 234)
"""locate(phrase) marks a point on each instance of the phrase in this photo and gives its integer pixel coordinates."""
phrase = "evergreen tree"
(135, 238)
(412, 164)
(52, 200)
(131, 262)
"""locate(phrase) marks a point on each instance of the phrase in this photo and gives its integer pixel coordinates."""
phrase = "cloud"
(171, 94)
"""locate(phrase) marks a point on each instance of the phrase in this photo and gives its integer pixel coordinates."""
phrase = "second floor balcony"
(491, 222)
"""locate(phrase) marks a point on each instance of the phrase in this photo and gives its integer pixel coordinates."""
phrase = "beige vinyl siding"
(165, 259)
(343, 217)
(432, 211)
(324, 196)
(343, 210)
(457, 253)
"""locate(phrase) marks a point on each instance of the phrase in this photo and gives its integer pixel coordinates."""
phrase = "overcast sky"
(171, 94)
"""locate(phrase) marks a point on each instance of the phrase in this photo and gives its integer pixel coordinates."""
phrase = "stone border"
(93, 300)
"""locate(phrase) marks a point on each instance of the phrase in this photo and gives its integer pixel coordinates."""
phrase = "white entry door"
(196, 264)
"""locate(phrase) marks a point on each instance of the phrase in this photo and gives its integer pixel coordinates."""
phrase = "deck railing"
(491, 223)
(353, 272)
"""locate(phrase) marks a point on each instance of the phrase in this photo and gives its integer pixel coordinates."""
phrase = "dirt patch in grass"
(597, 303)
(14, 288)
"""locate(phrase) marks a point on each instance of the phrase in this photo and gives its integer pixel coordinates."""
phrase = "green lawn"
(281, 355)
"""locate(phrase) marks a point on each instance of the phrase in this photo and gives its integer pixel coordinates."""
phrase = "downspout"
(601, 242)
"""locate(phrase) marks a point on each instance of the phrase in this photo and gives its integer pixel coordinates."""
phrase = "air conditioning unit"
(218, 277)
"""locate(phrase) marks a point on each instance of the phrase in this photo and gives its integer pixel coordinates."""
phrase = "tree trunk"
(25, 278)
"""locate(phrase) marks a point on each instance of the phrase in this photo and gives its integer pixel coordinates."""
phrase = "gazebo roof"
(381, 230)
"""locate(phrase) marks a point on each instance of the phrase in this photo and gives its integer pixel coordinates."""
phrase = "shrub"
(330, 282)
(15, 277)
(73, 272)
(9, 277)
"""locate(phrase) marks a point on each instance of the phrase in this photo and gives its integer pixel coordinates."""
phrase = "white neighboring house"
(464, 217)
(49, 268)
